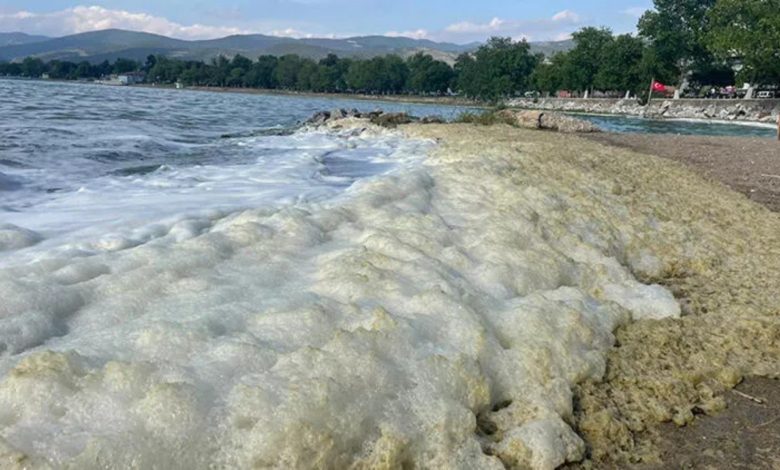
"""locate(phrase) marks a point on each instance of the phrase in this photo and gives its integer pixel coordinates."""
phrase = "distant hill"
(12, 39)
(549, 48)
(110, 44)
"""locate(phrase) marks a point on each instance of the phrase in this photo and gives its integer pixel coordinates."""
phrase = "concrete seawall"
(732, 110)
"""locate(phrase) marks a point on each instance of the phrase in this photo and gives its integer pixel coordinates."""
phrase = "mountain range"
(110, 44)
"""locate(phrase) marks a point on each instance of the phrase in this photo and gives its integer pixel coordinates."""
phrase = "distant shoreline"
(413, 99)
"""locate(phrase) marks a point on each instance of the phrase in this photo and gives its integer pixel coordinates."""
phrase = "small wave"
(271, 131)
(136, 170)
(8, 183)
(13, 163)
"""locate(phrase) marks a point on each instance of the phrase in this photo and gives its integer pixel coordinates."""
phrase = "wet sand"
(750, 166)
(666, 400)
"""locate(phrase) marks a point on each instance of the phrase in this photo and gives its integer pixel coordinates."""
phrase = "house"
(130, 78)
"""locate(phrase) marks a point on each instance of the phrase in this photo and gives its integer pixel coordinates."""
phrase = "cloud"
(415, 34)
(566, 16)
(560, 25)
(81, 19)
(467, 27)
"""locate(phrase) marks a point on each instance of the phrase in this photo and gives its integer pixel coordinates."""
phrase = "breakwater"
(731, 110)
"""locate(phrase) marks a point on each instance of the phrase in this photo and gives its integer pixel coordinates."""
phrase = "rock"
(562, 123)
(319, 118)
(432, 120)
(338, 114)
(525, 119)
(390, 120)
(547, 120)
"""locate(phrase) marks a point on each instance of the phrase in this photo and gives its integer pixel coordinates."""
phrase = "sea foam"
(437, 315)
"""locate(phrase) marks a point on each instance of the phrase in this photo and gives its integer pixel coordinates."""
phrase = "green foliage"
(378, 75)
(32, 67)
(621, 65)
(587, 57)
(427, 75)
(676, 29)
(487, 117)
(549, 76)
(500, 69)
(748, 31)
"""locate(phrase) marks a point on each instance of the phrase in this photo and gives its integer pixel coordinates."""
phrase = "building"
(130, 78)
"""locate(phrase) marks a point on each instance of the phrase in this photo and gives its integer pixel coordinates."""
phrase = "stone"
(391, 120)
(432, 120)
(338, 113)
(319, 118)
(568, 124)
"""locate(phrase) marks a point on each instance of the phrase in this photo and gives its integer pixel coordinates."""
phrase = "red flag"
(659, 87)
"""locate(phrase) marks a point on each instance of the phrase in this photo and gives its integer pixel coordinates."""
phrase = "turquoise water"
(631, 124)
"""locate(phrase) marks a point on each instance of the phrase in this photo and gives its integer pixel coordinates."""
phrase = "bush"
(487, 117)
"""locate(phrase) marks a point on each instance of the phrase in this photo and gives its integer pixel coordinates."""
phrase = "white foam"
(372, 330)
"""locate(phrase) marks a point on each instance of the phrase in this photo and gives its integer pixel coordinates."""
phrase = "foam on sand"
(438, 315)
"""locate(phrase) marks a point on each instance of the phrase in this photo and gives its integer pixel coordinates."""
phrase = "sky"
(459, 21)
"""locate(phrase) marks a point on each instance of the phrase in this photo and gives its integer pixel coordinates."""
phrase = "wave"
(8, 183)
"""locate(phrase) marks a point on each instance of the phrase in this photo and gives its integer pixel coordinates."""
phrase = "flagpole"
(650, 92)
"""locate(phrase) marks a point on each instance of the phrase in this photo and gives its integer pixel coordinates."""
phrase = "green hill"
(110, 44)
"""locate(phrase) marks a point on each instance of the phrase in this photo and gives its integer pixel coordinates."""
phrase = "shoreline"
(412, 99)
(430, 100)
(761, 111)
(721, 257)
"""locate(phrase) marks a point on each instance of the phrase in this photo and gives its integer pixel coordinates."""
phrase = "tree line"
(696, 42)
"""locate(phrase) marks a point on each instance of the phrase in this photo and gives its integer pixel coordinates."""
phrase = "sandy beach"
(750, 166)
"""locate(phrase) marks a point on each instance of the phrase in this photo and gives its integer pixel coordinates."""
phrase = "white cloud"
(560, 25)
(81, 19)
(467, 27)
(567, 16)
(415, 34)
(90, 18)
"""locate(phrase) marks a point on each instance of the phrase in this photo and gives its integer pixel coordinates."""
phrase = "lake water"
(630, 124)
(74, 157)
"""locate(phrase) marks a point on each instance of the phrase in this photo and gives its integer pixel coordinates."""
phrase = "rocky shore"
(765, 111)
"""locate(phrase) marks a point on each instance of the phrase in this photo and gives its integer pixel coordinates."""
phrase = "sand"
(721, 258)
(750, 165)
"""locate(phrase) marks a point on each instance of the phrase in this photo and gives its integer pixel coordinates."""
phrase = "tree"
(124, 65)
(378, 75)
(286, 71)
(498, 69)
(548, 76)
(427, 75)
(261, 75)
(621, 66)
(32, 67)
(677, 31)
(748, 31)
(587, 57)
